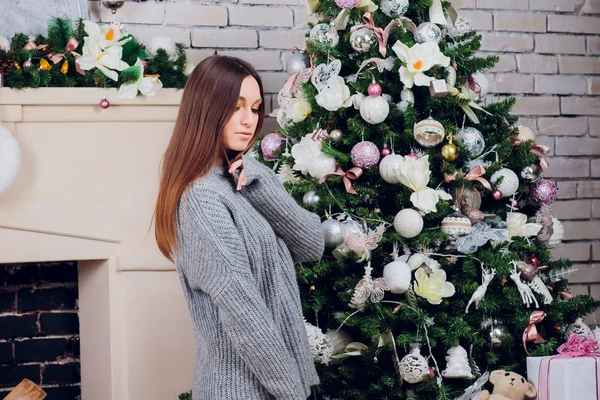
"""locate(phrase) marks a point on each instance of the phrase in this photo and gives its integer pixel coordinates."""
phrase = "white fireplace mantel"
(86, 191)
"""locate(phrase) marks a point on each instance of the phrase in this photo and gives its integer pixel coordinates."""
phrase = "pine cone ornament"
(6, 64)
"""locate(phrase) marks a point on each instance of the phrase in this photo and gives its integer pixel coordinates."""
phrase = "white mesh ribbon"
(481, 233)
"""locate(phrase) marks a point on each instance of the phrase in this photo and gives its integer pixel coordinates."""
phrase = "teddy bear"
(508, 386)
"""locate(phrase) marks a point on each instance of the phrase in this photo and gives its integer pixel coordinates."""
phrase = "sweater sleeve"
(220, 267)
(299, 228)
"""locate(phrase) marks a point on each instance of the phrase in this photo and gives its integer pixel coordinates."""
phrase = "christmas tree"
(437, 217)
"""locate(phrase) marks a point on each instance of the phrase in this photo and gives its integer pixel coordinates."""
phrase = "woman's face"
(241, 128)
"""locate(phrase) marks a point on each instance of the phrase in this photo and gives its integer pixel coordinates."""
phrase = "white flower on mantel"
(147, 85)
(419, 59)
(335, 95)
(102, 50)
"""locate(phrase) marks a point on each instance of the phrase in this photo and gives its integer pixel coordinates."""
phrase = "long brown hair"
(208, 102)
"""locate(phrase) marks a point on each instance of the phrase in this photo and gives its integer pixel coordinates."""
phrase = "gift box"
(567, 378)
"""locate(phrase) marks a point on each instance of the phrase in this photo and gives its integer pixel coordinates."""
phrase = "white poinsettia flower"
(298, 109)
(419, 59)
(335, 95)
(433, 287)
(147, 85)
(517, 225)
(309, 159)
(415, 174)
(104, 37)
(106, 61)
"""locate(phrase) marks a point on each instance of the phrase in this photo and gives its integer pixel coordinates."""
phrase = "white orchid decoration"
(148, 85)
(298, 109)
(310, 160)
(334, 95)
(419, 59)
(517, 225)
(102, 49)
(415, 174)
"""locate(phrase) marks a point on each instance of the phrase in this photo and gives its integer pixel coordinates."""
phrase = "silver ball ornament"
(310, 198)
(363, 40)
(324, 34)
(496, 331)
(530, 173)
(428, 32)
(296, 63)
(472, 139)
(333, 233)
(468, 196)
(365, 155)
(394, 8)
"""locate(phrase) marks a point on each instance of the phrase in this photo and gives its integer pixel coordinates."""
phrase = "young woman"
(234, 240)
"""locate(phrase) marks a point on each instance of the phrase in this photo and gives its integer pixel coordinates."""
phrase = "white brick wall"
(549, 60)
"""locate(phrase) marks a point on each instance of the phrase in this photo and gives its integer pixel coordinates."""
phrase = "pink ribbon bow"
(576, 346)
(32, 46)
(71, 46)
(531, 334)
(538, 149)
(351, 175)
(379, 32)
(474, 175)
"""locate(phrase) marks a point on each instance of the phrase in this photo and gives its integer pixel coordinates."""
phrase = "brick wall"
(549, 59)
(39, 328)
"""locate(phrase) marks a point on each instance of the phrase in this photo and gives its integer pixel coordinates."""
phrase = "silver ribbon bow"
(481, 233)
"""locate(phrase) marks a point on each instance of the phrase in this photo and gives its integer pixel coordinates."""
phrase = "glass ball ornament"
(27, 63)
(408, 223)
(394, 8)
(450, 152)
(363, 40)
(365, 155)
(413, 366)
(429, 132)
(509, 184)
(471, 197)
(530, 173)
(324, 34)
(335, 135)
(374, 110)
(270, 144)
(332, 232)
(428, 32)
(472, 139)
(389, 166)
(296, 63)
(456, 224)
(495, 330)
(544, 191)
(310, 198)
(113, 5)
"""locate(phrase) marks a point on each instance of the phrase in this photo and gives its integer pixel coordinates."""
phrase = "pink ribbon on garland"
(351, 175)
(576, 346)
(474, 175)
(538, 149)
(72, 44)
(33, 46)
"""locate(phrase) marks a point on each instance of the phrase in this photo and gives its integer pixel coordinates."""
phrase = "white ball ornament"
(339, 340)
(408, 223)
(10, 159)
(414, 367)
(165, 43)
(321, 166)
(580, 328)
(482, 84)
(374, 110)
(319, 343)
(558, 234)
(509, 184)
(397, 275)
(389, 166)
(394, 8)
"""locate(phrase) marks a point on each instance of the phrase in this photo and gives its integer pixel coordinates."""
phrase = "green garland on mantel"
(31, 63)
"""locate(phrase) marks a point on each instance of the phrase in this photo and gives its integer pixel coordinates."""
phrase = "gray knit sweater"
(235, 260)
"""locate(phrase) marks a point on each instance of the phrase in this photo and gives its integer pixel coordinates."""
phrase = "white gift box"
(569, 378)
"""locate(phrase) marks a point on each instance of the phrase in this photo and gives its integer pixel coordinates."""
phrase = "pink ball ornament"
(375, 90)
(104, 104)
(533, 260)
(270, 144)
(413, 156)
(544, 191)
(365, 155)
(346, 3)
(497, 195)
(385, 151)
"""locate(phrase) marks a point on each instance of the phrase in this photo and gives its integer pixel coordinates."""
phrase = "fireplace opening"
(39, 328)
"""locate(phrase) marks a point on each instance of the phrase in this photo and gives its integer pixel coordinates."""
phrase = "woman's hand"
(241, 178)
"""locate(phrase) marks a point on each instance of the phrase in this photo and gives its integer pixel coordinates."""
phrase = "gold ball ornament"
(450, 152)
(336, 135)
